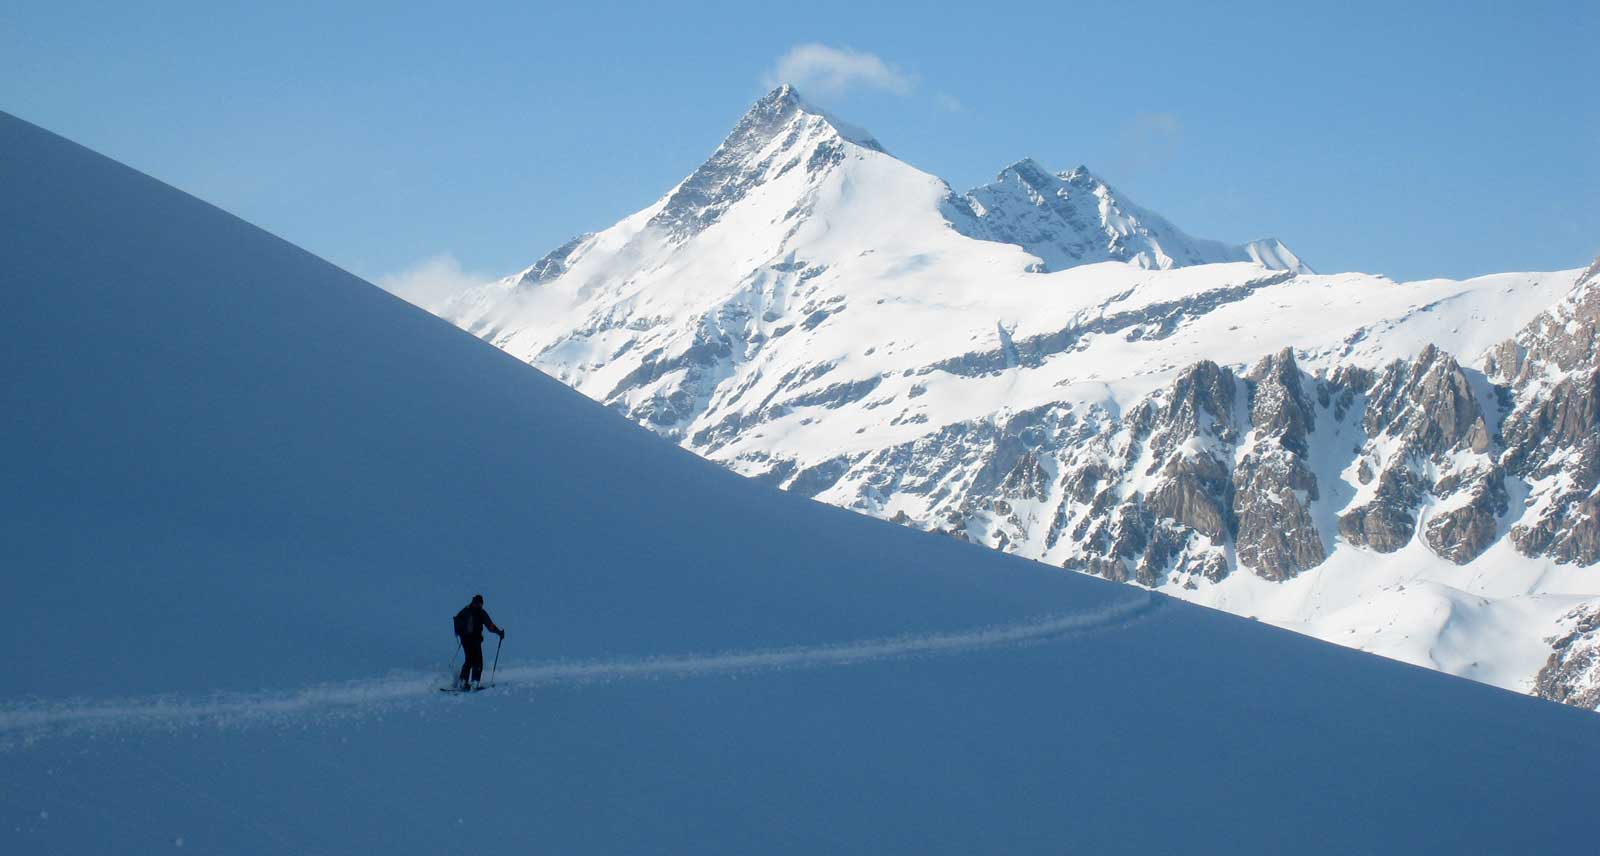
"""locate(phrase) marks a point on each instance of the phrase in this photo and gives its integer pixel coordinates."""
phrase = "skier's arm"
(489, 623)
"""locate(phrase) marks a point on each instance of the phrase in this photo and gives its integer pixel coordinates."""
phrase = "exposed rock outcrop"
(1430, 442)
(1463, 532)
(1572, 674)
(1387, 522)
(1552, 434)
(1273, 483)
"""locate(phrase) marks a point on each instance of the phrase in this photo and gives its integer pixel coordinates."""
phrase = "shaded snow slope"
(337, 468)
(232, 468)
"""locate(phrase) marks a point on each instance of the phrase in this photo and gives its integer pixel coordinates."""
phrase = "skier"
(470, 622)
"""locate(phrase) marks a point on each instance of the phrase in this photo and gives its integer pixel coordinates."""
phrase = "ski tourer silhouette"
(470, 623)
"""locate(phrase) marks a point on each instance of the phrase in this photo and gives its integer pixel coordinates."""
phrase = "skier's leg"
(475, 659)
(471, 660)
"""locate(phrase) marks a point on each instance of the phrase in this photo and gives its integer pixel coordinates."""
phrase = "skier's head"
(477, 600)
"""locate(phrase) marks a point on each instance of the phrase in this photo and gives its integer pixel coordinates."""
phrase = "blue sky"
(1412, 140)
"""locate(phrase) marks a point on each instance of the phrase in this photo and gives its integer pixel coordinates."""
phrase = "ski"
(461, 691)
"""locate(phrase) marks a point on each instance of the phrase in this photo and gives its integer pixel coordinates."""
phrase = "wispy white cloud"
(430, 282)
(948, 102)
(1161, 127)
(1150, 141)
(827, 71)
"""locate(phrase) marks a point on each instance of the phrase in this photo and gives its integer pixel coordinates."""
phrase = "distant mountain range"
(1042, 366)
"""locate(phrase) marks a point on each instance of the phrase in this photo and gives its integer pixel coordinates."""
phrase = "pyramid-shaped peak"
(786, 97)
(783, 98)
(780, 130)
(779, 107)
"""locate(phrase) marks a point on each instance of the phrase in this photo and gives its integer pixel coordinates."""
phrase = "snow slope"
(244, 490)
(808, 310)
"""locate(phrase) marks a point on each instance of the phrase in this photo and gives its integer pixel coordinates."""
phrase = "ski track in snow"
(22, 724)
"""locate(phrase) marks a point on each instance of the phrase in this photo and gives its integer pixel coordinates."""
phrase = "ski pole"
(496, 658)
(452, 668)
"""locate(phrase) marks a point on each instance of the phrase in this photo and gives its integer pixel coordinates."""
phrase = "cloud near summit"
(828, 70)
(430, 282)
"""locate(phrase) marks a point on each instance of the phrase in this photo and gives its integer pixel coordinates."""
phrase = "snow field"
(23, 724)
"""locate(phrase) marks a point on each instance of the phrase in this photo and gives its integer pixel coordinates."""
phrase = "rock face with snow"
(1553, 432)
(1206, 475)
(1074, 218)
(1428, 440)
(1044, 368)
(780, 134)
(1572, 674)
(1273, 483)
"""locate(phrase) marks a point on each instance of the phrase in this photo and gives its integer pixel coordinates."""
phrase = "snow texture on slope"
(234, 468)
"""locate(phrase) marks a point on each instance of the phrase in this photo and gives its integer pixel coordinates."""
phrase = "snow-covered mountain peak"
(786, 97)
(776, 113)
(1273, 253)
(780, 134)
(1075, 217)
(775, 183)
(782, 151)
(1027, 171)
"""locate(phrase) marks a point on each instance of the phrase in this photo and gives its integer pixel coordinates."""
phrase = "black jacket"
(474, 619)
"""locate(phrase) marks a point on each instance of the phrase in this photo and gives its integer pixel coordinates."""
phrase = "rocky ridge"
(1552, 434)
(1075, 217)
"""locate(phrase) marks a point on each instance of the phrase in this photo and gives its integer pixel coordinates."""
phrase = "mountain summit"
(1075, 217)
(780, 155)
(786, 99)
(1043, 367)
(782, 132)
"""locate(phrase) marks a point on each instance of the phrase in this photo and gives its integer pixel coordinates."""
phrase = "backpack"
(463, 623)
